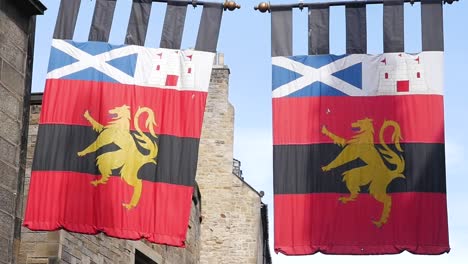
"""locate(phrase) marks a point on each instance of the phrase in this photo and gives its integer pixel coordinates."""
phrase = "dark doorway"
(141, 258)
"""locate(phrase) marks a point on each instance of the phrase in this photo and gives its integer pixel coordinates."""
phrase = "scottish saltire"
(359, 163)
(118, 139)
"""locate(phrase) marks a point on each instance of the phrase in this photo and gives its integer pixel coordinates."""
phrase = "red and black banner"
(359, 166)
(113, 157)
(309, 215)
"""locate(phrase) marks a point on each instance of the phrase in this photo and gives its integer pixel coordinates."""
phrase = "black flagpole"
(228, 5)
(264, 6)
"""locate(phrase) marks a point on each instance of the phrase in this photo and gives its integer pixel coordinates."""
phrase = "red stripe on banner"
(299, 120)
(310, 223)
(177, 113)
(67, 200)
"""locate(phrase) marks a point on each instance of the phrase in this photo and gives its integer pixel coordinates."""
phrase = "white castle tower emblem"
(401, 73)
(172, 74)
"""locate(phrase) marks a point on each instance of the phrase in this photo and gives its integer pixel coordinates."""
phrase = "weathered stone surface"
(13, 43)
(231, 209)
(5, 254)
(10, 129)
(8, 200)
(13, 53)
(6, 224)
(10, 104)
(46, 250)
(34, 114)
(8, 175)
(12, 78)
(8, 152)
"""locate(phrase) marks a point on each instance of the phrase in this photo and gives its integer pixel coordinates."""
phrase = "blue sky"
(245, 41)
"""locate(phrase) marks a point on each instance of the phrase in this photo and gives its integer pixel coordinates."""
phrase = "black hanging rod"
(264, 6)
(227, 5)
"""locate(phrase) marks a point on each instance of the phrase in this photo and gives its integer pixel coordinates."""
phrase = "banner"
(118, 139)
(359, 163)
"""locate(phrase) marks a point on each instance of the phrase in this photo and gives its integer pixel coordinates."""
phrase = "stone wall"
(15, 73)
(231, 220)
(64, 247)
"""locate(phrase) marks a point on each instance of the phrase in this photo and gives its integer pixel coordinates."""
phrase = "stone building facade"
(231, 229)
(17, 21)
(226, 223)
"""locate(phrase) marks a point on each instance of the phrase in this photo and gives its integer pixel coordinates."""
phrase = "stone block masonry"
(13, 53)
(231, 208)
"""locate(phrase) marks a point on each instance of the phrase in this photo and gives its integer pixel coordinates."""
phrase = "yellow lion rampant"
(375, 172)
(128, 158)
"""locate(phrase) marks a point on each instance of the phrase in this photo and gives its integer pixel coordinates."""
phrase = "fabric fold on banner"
(432, 25)
(281, 31)
(319, 30)
(102, 20)
(359, 154)
(138, 23)
(173, 27)
(66, 19)
(118, 138)
(210, 24)
(393, 26)
(356, 29)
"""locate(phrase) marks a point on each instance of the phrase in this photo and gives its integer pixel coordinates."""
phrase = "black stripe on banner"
(319, 30)
(393, 26)
(432, 25)
(210, 24)
(102, 20)
(66, 19)
(173, 28)
(297, 169)
(57, 147)
(281, 32)
(138, 24)
(356, 29)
